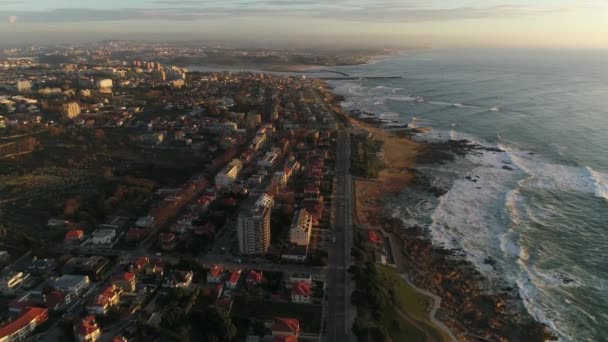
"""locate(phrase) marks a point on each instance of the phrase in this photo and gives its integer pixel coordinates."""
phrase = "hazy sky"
(538, 23)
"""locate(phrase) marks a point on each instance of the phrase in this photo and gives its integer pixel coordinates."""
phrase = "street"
(340, 311)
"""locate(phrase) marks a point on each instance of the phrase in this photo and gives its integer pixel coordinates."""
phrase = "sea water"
(540, 208)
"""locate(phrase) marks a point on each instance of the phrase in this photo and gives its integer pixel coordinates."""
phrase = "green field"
(410, 302)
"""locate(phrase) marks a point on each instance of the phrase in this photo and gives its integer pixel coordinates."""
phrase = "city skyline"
(448, 23)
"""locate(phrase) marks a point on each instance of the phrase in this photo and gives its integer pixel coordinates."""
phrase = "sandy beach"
(399, 157)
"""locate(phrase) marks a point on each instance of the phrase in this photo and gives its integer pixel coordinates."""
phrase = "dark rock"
(505, 167)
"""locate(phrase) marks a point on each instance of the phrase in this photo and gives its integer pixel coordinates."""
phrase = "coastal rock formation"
(471, 312)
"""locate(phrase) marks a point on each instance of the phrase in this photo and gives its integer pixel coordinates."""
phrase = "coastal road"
(340, 313)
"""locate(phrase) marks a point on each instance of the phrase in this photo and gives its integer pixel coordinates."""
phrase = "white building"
(12, 280)
(253, 226)
(104, 83)
(229, 174)
(24, 86)
(269, 159)
(103, 236)
(301, 228)
(70, 110)
(74, 284)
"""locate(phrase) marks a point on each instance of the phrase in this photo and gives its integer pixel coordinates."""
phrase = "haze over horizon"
(433, 23)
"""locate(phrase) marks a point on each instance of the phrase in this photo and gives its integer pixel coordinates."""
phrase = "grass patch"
(400, 329)
(409, 301)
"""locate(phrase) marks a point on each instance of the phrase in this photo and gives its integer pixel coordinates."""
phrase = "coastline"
(467, 308)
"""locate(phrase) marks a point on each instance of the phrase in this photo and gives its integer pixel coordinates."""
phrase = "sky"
(426, 23)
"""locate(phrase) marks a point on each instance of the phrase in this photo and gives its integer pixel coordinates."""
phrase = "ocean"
(540, 208)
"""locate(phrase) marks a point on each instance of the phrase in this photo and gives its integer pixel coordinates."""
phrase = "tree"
(215, 323)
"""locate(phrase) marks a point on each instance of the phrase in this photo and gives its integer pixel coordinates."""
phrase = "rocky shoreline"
(469, 307)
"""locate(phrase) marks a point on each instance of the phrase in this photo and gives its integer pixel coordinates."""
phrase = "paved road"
(340, 312)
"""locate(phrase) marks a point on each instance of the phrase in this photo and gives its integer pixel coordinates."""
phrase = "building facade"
(253, 226)
(228, 175)
(301, 228)
(70, 110)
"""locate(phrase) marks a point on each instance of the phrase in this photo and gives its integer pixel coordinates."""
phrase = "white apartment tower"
(253, 226)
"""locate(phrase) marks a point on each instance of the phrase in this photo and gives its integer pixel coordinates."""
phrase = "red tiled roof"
(29, 315)
(76, 234)
(142, 261)
(167, 237)
(234, 276)
(216, 271)
(301, 288)
(373, 237)
(86, 326)
(128, 276)
(285, 339)
(255, 277)
(286, 324)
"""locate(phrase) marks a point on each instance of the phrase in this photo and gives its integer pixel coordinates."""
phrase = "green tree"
(215, 323)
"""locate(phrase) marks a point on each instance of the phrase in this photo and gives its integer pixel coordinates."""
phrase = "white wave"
(557, 177)
(601, 183)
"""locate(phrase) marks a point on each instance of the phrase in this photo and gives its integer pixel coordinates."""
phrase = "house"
(23, 325)
(74, 235)
(300, 293)
(103, 236)
(373, 237)
(41, 266)
(234, 279)
(145, 221)
(74, 284)
(228, 175)
(87, 330)
(178, 279)
(136, 234)
(11, 281)
(127, 281)
(108, 298)
(167, 241)
(140, 263)
(254, 277)
(215, 274)
(58, 300)
(93, 266)
(299, 277)
(301, 228)
(285, 326)
(295, 253)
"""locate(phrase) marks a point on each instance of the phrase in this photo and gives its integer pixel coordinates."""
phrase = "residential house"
(24, 324)
(215, 274)
(285, 326)
(74, 235)
(74, 284)
(178, 279)
(300, 293)
(254, 277)
(234, 279)
(108, 298)
(10, 281)
(127, 281)
(87, 330)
